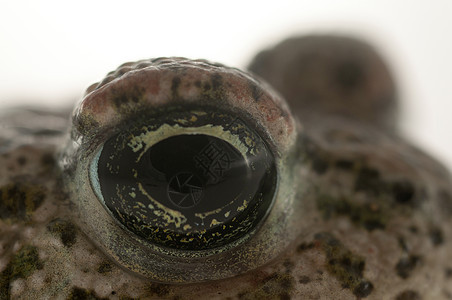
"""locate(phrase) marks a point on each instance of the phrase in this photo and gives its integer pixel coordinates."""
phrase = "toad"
(187, 179)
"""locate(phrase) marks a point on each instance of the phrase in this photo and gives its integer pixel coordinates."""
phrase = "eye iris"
(188, 191)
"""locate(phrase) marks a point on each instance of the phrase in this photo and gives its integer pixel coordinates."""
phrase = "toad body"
(185, 179)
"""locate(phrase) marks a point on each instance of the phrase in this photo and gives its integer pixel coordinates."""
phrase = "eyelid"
(174, 81)
(162, 87)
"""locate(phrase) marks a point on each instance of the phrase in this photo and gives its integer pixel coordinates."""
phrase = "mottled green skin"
(372, 215)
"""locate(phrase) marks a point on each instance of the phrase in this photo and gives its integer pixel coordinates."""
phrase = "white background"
(50, 51)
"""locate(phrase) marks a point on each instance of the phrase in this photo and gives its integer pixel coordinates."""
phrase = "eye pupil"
(185, 190)
(189, 191)
(196, 172)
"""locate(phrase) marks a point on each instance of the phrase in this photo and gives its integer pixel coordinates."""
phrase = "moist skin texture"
(371, 212)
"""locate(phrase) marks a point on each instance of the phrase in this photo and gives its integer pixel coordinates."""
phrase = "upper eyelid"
(155, 86)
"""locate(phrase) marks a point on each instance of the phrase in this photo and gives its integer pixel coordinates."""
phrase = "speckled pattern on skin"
(360, 212)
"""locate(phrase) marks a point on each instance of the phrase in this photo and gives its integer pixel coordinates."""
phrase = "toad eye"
(180, 170)
(183, 187)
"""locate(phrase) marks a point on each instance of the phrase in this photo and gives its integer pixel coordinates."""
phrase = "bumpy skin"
(371, 216)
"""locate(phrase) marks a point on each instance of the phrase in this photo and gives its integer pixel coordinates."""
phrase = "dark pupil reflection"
(189, 192)
(195, 173)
